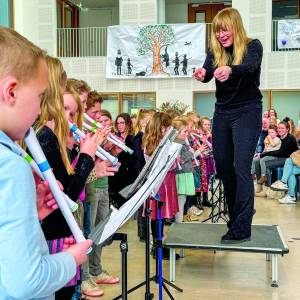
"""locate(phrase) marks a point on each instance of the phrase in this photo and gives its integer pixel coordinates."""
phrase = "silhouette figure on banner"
(165, 57)
(184, 64)
(176, 61)
(119, 62)
(129, 66)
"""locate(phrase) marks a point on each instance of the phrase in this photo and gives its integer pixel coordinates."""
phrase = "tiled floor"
(223, 275)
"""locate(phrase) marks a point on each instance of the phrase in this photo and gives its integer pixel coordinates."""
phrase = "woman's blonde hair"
(180, 122)
(52, 108)
(153, 133)
(229, 19)
(143, 113)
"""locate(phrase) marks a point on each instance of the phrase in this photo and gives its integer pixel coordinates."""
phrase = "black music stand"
(219, 210)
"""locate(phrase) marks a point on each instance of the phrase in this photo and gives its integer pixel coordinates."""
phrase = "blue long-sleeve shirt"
(27, 270)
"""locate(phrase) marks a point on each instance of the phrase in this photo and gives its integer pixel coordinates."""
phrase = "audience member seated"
(272, 115)
(271, 143)
(288, 146)
(263, 134)
(288, 179)
(293, 130)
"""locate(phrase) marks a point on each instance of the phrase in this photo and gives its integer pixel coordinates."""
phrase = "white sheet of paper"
(120, 217)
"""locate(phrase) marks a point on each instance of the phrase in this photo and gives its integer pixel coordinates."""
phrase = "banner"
(154, 51)
(288, 34)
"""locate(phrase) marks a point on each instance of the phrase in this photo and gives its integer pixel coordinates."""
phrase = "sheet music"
(118, 218)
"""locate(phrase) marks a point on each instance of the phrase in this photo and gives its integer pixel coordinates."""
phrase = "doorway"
(204, 13)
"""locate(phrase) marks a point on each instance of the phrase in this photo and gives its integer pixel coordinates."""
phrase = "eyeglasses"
(223, 31)
(121, 123)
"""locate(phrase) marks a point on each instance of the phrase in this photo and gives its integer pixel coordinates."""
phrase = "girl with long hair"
(142, 119)
(184, 176)
(155, 131)
(234, 60)
(125, 176)
(52, 132)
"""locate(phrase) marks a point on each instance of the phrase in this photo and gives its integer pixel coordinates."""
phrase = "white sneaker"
(279, 186)
(195, 211)
(287, 200)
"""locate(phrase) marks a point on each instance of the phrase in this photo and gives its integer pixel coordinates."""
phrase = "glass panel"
(5, 13)
(68, 18)
(131, 103)
(58, 14)
(200, 17)
(205, 104)
(111, 103)
(265, 100)
(285, 9)
(286, 103)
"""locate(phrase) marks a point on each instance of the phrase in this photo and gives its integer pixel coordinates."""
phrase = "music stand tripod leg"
(122, 237)
(161, 279)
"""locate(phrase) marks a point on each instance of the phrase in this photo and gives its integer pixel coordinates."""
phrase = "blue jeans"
(235, 134)
(86, 219)
(288, 176)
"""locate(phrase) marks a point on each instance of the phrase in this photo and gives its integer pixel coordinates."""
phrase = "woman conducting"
(234, 61)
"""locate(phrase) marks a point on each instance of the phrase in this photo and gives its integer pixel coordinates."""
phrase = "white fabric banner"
(288, 34)
(154, 51)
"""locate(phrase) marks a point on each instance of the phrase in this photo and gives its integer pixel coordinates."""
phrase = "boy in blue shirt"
(27, 271)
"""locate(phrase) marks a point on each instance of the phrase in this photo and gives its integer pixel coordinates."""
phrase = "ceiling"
(115, 3)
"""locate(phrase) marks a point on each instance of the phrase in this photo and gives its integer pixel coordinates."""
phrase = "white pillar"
(161, 11)
(36, 20)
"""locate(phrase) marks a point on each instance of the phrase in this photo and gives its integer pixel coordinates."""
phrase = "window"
(131, 103)
(286, 104)
(285, 9)
(67, 14)
(111, 103)
(204, 103)
(6, 13)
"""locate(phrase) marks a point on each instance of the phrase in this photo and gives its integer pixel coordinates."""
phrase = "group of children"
(35, 237)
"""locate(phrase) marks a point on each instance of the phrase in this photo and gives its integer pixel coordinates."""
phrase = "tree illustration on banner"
(152, 38)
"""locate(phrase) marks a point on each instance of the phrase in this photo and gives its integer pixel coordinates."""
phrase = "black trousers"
(65, 293)
(235, 135)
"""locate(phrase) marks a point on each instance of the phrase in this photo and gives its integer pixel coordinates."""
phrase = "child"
(272, 142)
(53, 129)
(98, 198)
(208, 159)
(27, 269)
(184, 177)
(155, 131)
(143, 119)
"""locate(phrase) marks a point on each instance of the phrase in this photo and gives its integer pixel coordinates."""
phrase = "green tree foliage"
(152, 38)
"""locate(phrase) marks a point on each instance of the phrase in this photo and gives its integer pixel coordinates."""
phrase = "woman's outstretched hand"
(199, 74)
(222, 73)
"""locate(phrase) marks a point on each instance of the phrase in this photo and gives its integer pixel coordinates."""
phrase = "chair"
(297, 192)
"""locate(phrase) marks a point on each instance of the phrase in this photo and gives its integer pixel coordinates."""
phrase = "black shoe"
(230, 239)
(229, 224)
(206, 203)
(169, 222)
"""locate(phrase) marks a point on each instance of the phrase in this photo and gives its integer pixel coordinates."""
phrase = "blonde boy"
(27, 271)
